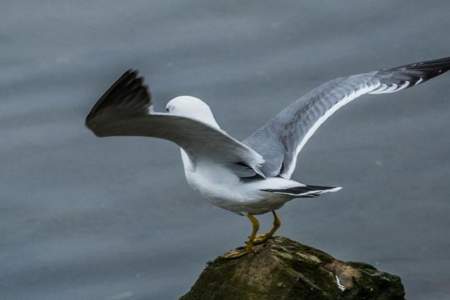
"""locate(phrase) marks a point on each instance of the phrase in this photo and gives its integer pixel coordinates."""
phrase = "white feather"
(320, 121)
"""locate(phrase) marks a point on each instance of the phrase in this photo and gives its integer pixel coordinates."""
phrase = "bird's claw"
(261, 239)
(236, 253)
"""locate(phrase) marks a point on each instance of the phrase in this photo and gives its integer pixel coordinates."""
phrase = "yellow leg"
(255, 228)
(264, 237)
(249, 244)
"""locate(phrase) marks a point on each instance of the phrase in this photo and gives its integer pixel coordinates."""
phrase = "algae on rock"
(283, 269)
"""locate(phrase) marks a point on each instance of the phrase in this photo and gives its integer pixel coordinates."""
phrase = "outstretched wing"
(281, 139)
(126, 110)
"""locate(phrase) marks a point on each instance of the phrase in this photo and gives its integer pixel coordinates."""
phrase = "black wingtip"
(306, 190)
(428, 64)
(410, 75)
(128, 94)
(426, 69)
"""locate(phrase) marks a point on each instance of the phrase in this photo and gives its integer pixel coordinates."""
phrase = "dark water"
(88, 218)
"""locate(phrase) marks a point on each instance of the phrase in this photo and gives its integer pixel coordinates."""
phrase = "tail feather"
(306, 191)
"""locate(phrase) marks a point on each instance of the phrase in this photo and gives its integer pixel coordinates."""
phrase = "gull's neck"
(207, 118)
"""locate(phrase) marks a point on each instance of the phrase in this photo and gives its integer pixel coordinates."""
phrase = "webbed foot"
(235, 253)
(262, 238)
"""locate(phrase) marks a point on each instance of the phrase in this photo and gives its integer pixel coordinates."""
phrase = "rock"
(283, 269)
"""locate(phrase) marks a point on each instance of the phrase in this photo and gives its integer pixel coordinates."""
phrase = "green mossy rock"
(283, 269)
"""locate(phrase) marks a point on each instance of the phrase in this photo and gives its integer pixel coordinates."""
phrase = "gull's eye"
(167, 109)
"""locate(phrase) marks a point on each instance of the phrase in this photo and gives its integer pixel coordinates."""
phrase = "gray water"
(89, 218)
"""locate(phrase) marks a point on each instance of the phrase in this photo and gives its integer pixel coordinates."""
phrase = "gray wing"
(126, 110)
(281, 139)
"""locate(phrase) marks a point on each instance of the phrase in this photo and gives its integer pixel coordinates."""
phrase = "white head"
(193, 108)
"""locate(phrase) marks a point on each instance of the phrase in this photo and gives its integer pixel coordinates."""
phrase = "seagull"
(253, 176)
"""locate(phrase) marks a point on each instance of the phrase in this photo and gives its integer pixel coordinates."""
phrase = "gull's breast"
(223, 188)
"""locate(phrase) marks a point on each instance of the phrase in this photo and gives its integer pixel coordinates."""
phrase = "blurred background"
(89, 218)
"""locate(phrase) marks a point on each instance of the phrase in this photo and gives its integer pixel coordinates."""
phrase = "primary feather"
(125, 109)
(288, 132)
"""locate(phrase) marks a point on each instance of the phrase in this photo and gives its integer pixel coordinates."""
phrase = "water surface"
(89, 218)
